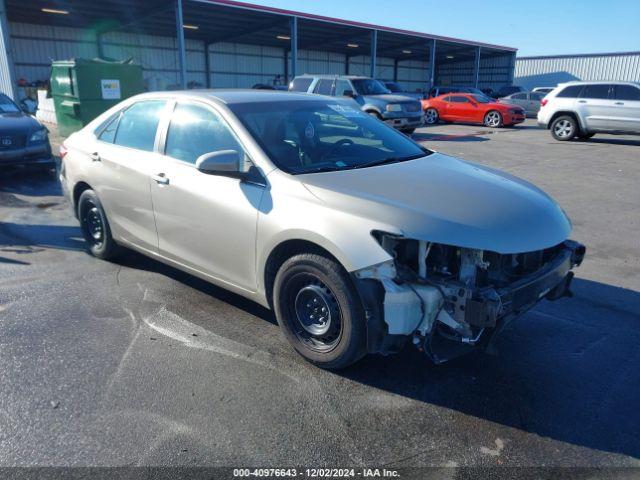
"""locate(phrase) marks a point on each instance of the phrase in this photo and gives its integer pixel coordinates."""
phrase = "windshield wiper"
(388, 160)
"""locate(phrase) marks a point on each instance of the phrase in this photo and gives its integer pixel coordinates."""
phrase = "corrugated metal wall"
(495, 72)
(549, 71)
(235, 65)
(7, 80)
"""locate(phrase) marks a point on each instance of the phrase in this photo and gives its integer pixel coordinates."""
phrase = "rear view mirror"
(222, 162)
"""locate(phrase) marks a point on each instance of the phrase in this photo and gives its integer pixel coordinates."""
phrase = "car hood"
(391, 98)
(18, 123)
(445, 200)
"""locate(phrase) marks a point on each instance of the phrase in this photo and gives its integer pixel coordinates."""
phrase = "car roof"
(324, 75)
(233, 96)
(599, 82)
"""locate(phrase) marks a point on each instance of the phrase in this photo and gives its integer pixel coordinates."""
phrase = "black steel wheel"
(319, 311)
(95, 226)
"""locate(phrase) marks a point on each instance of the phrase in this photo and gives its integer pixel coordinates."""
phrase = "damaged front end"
(449, 300)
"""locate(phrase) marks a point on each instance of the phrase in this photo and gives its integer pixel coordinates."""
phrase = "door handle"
(582, 101)
(619, 103)
(160, 178)
(95, 157)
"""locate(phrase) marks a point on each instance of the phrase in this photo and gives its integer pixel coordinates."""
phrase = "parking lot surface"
(135, 363)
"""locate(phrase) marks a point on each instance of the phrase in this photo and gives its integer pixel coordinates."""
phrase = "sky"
(543, 27)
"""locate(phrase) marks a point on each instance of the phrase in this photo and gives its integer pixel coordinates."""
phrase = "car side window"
(342, 86)
(301, 84)
(108, 133)
(459, 99)
(519, 96)
(537, 96)
(138, 125)
(446, 99)
(323, 87)
(195, 130)
(572, 91)
(596, 91)
(627, 92)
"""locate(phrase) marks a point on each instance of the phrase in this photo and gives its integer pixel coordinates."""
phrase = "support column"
(374, 52)
(432, 64)
(395, 70)
(477, 66)
(286, 66)
(100, 44)
(182, 54)
(207, 65)
(512, 68)
(7, 73)
(294, 46)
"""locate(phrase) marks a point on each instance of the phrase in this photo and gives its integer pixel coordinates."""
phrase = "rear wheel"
(375, 114)
(431, 116)
(564, 128)
(493, 119)
(95, 227)
(319, 311)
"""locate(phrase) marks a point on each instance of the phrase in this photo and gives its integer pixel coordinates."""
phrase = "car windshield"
(7, 105)
(394, 87)
(482, 99)
(317, 136)
(369, 86)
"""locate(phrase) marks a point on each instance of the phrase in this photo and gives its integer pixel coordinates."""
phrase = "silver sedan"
(530, 101)
(360, 239)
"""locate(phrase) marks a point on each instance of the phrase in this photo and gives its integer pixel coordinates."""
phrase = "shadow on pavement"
(30, 238)
(441, 137)
(569, 370)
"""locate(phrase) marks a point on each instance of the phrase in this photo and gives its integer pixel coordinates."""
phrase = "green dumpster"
(84, 88)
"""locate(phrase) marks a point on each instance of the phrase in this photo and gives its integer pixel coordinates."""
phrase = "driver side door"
(205, 222)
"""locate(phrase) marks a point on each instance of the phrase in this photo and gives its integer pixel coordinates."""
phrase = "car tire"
(95, 227)
(431, 116)
(493, 119)
(585, 136)
(320, 311)
(375, 115)
(564, 128)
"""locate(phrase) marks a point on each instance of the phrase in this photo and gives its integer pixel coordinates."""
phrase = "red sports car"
(472, 108)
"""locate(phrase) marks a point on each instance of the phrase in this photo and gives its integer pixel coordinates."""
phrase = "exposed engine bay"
(450, 300)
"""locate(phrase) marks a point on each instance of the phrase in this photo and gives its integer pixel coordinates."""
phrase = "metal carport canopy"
(239, 22)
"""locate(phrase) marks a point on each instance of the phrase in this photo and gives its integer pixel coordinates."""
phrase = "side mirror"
(349, 93)
(223, 162)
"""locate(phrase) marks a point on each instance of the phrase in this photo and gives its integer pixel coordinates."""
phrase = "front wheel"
(431, 116)
(95, 227)
(493, 119)
(320, 311)
(564, 128)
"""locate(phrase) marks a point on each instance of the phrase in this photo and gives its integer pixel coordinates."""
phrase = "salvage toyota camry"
(360, 239)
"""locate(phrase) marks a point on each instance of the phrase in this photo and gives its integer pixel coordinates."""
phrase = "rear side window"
(446, 99)
(537, 96)
(323, 87)
(627, 92)
(596, 91)
(572, 91)
(300, 84)
(195, 130)
(138, 125)
(459, 99)
(341, 87)
(519, 96)
(108, 134)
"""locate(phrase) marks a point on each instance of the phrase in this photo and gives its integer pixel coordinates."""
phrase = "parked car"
(544, 90)
(437, 91)
(371, 95)
(582, 109)
(489, 92)
(530, 101)
(464, 107)
(399, 89)
(508, 90)
(23, 139)
(359, 238)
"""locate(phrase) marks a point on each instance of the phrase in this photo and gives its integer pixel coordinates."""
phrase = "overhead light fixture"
(449, 57)
(352, 45)
(283, 37)
(190, 27)
(55, 10)
(407, 51)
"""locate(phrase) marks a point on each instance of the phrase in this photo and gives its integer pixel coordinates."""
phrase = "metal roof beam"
(254, 29)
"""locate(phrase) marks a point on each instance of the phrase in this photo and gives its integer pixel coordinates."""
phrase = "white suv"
(582, 109)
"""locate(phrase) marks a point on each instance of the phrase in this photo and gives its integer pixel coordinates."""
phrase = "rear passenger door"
(596, 106)
(626, 109)
(121, 163)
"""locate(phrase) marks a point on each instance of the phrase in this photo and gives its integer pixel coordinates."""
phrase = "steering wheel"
(340, 143)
